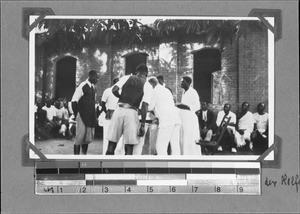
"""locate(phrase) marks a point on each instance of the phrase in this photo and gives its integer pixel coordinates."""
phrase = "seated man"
(260, 134)
(245, 127)
(63, 118)
(206, 120)
(51, 122)
(72, 126)
(228, 138)
(40, 123)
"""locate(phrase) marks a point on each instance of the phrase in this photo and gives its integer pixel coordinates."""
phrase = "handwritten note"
(284, 180)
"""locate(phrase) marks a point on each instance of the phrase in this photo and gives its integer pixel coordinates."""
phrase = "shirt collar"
(185, 91)
(89, 83)
(159, 86)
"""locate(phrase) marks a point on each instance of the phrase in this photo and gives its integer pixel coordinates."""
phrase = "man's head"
(227, 108)
(261, 108)
(153, 81)
(245, 107)
(160, 79)
(93, 76)
(66, 104)
(115, 80)
(57, 104)
(204, 106)
(186, 82)
(48, 103)
(142, 70)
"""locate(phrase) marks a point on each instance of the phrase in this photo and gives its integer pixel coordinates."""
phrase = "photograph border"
(271, 87)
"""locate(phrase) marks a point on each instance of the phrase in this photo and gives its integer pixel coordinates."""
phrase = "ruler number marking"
(127, 189)
(240, 189)
(195, 189)
(217, 189)
(105, 189)
(82, 190)
(150, 189)
(172, 189)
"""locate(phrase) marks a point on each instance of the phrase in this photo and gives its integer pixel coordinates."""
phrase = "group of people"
(136, 104)
(54, 119)
(131, 105)
(244, 131)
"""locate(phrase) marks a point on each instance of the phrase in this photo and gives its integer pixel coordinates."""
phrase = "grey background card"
(17, 182)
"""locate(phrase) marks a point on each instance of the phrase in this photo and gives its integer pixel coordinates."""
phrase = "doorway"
(133, 60)
(206, 62)
(65, 78)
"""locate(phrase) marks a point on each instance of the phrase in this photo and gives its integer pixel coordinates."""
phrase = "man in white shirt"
(63, 117)
(190, 103)
(169, 121)
(245, 126)
(228, 138)
(109, 103)
(260, 134)
(51, 115)
(51, 111)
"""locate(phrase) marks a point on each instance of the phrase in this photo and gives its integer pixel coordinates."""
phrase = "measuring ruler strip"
(68, 167)
(157, 177)
(100, 186)
(144, 189)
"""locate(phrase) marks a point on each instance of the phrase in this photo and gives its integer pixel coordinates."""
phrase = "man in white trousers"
(169, 121)
(109, 103)
(190, 103)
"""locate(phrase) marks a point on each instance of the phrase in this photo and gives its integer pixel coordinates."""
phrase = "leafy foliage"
(73, 34)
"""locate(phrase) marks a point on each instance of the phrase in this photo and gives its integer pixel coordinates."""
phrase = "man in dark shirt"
(206, 120)
(125, 120)
(83, 105)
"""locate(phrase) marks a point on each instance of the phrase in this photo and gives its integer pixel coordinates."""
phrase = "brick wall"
(253, 70)
(229, 77)
(243, 75)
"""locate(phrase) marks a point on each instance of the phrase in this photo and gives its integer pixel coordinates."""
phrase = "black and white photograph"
(149, 106)
(153, 87)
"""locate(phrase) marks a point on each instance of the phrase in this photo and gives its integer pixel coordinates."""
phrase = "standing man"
(125, 120)
(190, 103)
(109, 103)
(206, 120)
(230, 131)
(83, 106)
(245, 126)
(161, 80)
(169, 121)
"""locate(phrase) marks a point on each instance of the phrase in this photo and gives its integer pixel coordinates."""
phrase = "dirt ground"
(60, 146)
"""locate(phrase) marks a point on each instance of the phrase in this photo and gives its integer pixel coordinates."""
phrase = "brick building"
(234, 74)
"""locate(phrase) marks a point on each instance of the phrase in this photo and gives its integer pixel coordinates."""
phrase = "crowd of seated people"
(246, 131)
(54, 119)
